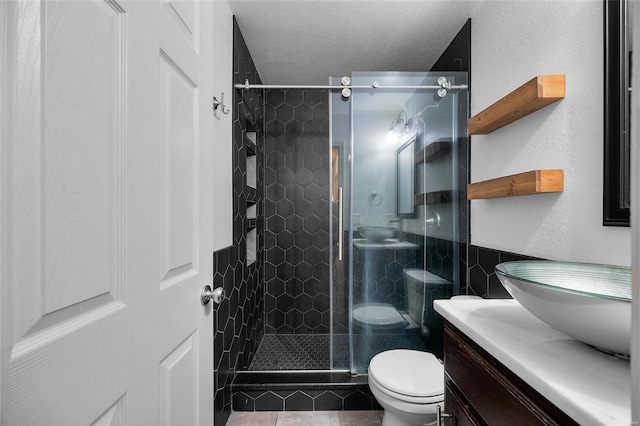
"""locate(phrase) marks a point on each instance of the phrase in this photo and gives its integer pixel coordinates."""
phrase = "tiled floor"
(306, 418)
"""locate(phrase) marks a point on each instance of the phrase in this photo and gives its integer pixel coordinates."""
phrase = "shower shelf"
(527, 183)
(250, 142)
(537, 93)
(252, 172)
(433, 151)
(250, 223)
(252, 210)
(252, 239)
(434, 197)
(251, 195)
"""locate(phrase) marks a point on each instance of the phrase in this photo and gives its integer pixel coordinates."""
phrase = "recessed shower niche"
(250, 144)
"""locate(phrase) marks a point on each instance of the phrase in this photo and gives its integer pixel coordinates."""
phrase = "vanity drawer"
(458, 407)
(496, 394)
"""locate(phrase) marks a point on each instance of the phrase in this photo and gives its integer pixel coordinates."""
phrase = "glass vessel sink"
(377, 234)
(589, 302)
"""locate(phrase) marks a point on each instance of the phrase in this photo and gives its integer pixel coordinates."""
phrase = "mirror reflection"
(405, 176)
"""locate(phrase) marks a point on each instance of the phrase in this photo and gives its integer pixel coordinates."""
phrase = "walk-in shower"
(363, 195)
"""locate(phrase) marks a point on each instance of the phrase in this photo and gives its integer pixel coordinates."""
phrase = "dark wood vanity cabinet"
(479, 390)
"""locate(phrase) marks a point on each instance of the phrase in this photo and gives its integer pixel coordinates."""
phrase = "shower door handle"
(340, 224)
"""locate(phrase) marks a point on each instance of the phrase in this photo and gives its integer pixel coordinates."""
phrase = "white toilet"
(422, 288)
(378, 318)
(384, 318)
(409, 385)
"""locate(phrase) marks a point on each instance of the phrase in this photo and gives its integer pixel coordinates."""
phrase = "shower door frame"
(331, 88)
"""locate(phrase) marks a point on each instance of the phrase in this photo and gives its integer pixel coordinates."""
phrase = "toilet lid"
(377, 314)
(408, 372)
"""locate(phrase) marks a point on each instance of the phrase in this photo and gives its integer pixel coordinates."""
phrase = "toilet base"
(401, 413)
(391, 418)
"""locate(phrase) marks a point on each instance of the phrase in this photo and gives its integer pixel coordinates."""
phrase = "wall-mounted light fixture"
(400, 126)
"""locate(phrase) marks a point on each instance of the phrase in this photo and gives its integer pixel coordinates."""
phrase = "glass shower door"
(401, 212)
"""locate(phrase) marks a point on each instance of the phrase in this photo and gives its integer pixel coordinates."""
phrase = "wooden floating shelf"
(435, 197)
(537, 93)
(527, 183)
(433, 151)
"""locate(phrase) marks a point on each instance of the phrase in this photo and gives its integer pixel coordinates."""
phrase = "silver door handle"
(440, 416)
(207, 294)
(340, 224)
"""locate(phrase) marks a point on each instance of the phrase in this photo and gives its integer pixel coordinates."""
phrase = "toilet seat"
(408, 375)
(423, 401)
(380, 316)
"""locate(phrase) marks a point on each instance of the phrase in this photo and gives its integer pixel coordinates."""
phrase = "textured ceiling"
(306, 41)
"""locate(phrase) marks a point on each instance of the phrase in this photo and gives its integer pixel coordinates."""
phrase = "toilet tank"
(421, 289)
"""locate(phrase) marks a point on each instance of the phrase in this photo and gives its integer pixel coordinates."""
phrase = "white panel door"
(105, 212)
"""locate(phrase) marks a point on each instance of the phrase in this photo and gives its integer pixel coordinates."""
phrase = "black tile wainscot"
(302, 391)
(482, 278)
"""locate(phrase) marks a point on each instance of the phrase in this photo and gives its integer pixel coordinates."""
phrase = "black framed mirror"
(617, 82)
(406, 179)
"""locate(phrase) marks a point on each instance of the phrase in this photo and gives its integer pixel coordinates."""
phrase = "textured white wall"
(513, 41)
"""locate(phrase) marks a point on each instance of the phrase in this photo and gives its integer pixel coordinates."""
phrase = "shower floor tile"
(292, 352)
(278, 352)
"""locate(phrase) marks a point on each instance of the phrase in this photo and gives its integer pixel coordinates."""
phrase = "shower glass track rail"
(373, 85)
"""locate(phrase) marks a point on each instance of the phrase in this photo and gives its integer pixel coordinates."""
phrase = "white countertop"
(589, 386)
(389, 243)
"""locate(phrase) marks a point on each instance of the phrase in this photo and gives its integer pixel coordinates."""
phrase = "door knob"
(207, 294)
